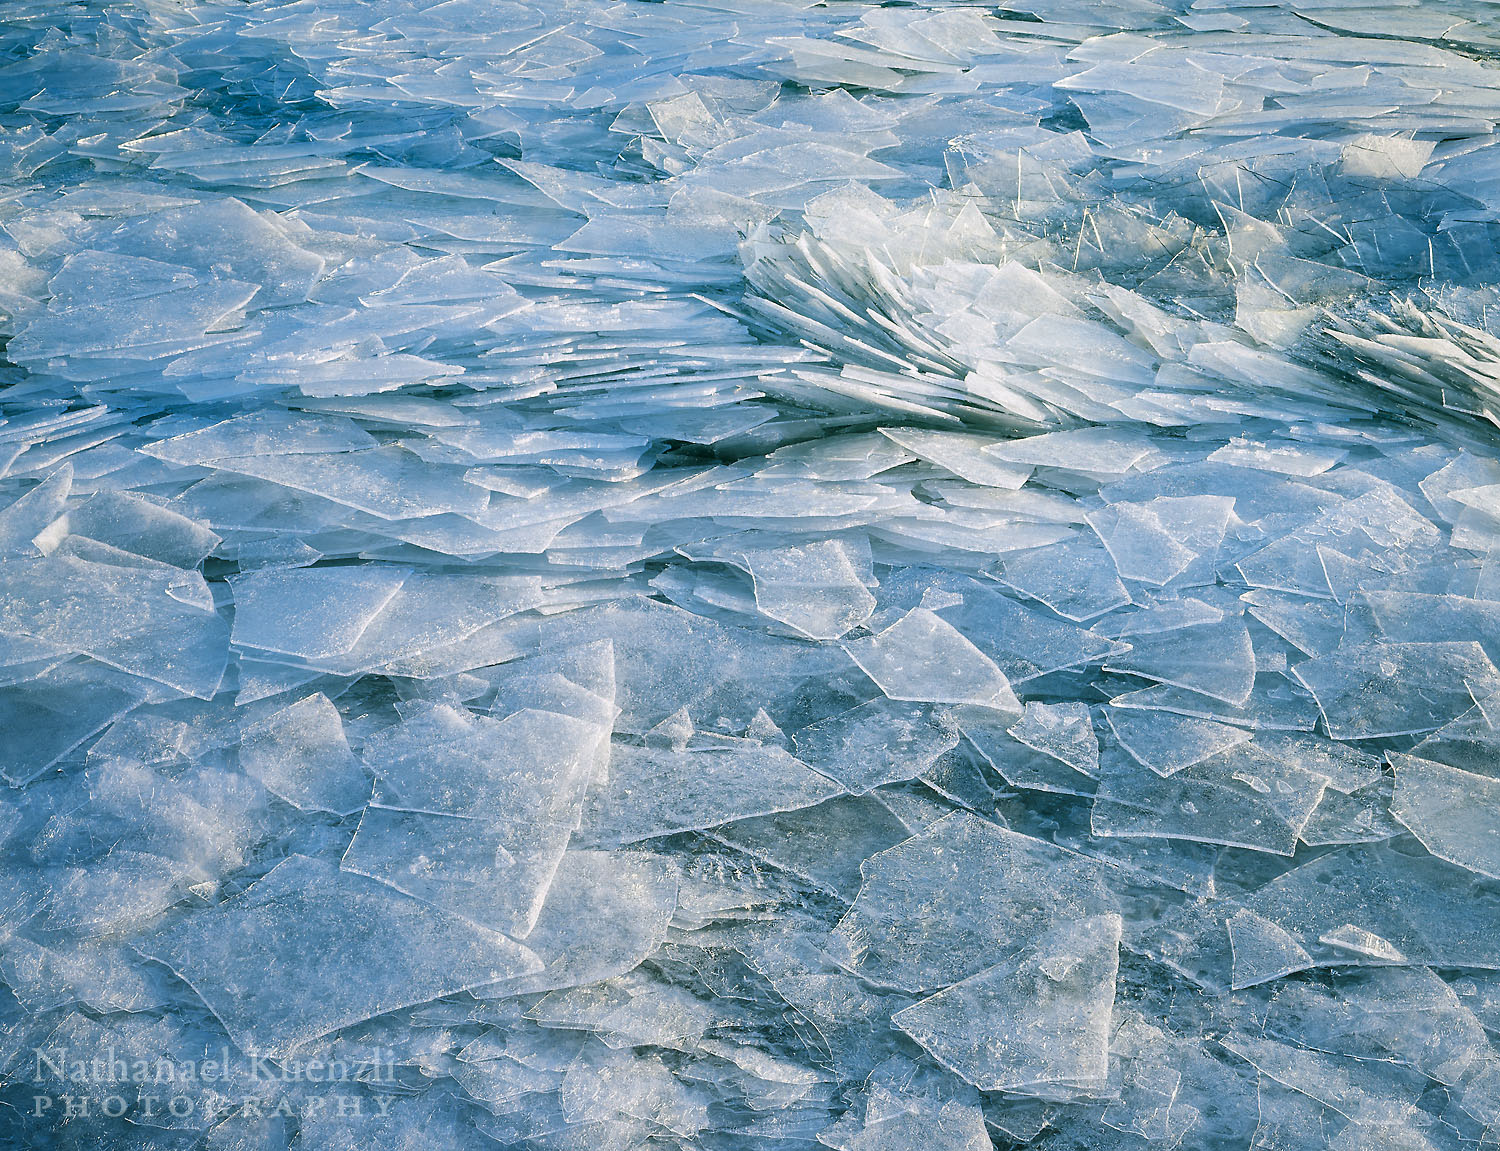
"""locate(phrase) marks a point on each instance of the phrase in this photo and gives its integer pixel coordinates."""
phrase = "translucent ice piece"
(658, 791)
(1023, 642)
(428, 614)
(473, 814)
(1018, 763)
(1348, 1086)
(493, 872)
(135, 524)
(812, 588)
(101, 975)
(1431, 912)
(1276, 704)
(605, 913)
(1262, 951)
(667, 659)
(1171, 539)
(879, 742)
(913, 927)
(1214, 659)
(1384, 689)
(1456, 814)
(1167, 743)
(311, 612)
(1094, 451)
(132, 618)
(1065, 731)
(309, 949)
(46, 717)
(225, 233)
(388, 482)
(1242, 797)
(1075, 578)
(23, 519)
(1038, 1023)
(824, 844)
(962, 454)
(923, 658)
(1313, 626)
(262, 433)
(300, 754)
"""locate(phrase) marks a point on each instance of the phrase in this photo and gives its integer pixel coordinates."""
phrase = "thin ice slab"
(309, 949)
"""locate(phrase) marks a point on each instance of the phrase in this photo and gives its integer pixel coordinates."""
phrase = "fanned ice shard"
(713, 575)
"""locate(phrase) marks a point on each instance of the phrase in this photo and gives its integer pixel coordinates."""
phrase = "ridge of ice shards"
(713, 574)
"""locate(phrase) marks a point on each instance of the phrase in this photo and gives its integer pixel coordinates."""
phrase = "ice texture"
(750, 576)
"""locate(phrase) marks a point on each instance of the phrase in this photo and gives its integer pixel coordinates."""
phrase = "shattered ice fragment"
(879, 742)
(1213, 659)
(1075, 578)
(1262, 950)
(1455, 813)
(813, 588)
(1242, 797)
(913, 927)
(1038, 1023)
(604, 914)
(923, 658)
(1370, 691)
(149, 620)
(658, 791)
(1167, 743)
(311, 612)
(301, 755)
(825, 844)
(1065, 731)
(1353, 938)
(473, 814)
(309, 949)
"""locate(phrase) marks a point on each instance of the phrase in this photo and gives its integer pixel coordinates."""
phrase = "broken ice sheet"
(1369, 691)
(1023, 642)
(812, 588)
(1417, 908)
(1064, 731)
(962, 454)
(912, 927)
(660, 791)
(308, 949)
(473, 814)
(1455, 813)
(1075, 578)
(1242, 797)
(46, 717)
(1167, 743)
(605, 912)
(1262, 950)
(311, 612)
(923, 658)
(667, 659)
(1169, 540)
(878, 742)
(1038, 1023)
(903, 1103)
(825, 844)
(1213, 659)
(148, 621)
(1047, 754)
(301, 755)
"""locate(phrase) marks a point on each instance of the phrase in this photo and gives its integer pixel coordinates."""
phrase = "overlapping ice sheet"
(750, 576)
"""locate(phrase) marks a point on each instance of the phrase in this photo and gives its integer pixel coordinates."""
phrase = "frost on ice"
(739, 576)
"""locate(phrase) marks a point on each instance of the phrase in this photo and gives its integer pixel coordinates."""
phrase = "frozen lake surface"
(743, 575)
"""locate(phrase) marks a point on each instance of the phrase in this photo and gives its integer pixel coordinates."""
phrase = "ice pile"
(749, 576)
